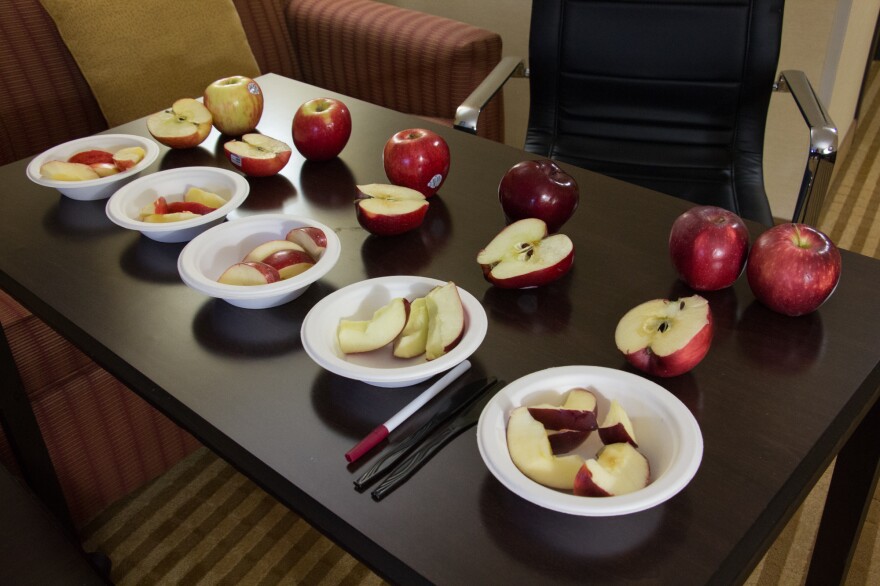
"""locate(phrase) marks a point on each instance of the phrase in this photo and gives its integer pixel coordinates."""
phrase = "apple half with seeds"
(618, 469)
(523, 255)
(186, 124)
(382, 328)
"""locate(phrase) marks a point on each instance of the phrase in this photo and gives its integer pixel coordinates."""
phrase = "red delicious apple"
(577, 413)
(666, 338)
(418, 159)
(708, 246)
(321, 128)
(523, 255)
(235, 104)
(793, 268)
(257, 155)
(388, 210)
(538, 189)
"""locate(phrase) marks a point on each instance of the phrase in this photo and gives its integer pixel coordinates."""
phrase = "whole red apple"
(418, 159)
(538, 189)
(793, 268)
(321, 128)
(235, 104)
(708, 246)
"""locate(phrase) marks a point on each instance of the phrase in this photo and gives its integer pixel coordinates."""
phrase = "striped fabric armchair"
(104, 441)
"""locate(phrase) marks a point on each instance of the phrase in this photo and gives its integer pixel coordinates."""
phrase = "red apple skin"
(417, 158)
(538, 189)
(793, 268)
(566, 440)
(321, 128)
(709, 246)
(388, 225)
(187, 206)
(316, 235)
(534, 279)
(558, 418)
(584, 485)
(91, 157)
(680, 362)
(253, 167)
(616, 434)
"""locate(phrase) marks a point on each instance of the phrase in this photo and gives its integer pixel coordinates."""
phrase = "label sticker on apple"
(235, 159)
(435, 181)
(254, 88)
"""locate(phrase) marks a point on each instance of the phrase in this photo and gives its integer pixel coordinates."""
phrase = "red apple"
(312, 239)
(418, 159)
(321, 128)
(708, 246)
(523, 255)
(666, 338)
(186, 124)
(538, 189)
(793, 268)
(257, 155)
(617, 428)
(388, 210)
(235, 103)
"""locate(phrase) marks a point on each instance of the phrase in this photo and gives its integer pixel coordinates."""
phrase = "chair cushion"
(132, 79)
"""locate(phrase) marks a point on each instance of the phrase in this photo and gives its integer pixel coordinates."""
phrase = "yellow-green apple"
(206, 198)
(312, 239)
(538, 189)
(321, 128)
(128, 157)
(169, 217)
(382, 328)
(105, 169)
(235, 104)
(249, 274)
(261, 251)
(186, 124)
(578, 412)
(617, 428)
(708, 246)
(619, 469)
(530, 450)
(289, 262)
(413, 338)
(388, 210)
(417, 158)
(65, 171)
(257, 155)
(666, 338)
(91, 157)
(793, 268)
(523, 255)
(445, 320)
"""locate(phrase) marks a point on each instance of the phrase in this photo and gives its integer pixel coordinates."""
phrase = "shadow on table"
(149, 260)
(328, 184)
(79, 218)
(779, 342)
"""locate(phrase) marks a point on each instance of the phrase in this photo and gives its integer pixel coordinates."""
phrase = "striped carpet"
(204, 523)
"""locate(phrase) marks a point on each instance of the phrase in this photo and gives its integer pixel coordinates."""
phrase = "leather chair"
(670, 95)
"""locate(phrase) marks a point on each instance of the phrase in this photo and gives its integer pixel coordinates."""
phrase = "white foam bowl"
(666, 431)
(204, 259)
(93, 189)
(379, 367)
(125, 205)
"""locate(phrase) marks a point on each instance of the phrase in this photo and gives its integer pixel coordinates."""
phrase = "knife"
(452, 406)
(410, 464)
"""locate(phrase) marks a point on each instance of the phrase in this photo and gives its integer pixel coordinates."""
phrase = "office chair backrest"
(671, 95)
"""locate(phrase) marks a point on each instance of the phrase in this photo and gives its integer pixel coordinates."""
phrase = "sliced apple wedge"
(578, 412)
(619, 469)
(445, 320)
(523, 255)
(257, 155)
(566, 440)
(105, 169)
(412, 340)
(249, 274)
(128, 157)
(312, 239)
(388, 210)
(64, 171)
(169, 217)
(531, 452)
(92, 157)
(289, 262)
(187, 123)
(206, 198)
(616, 428)
(189, 206)
(263, 250)
(368, 335)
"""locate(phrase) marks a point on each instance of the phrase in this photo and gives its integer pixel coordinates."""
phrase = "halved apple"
(412, 340)
(578, 412)
(312, 239)
(616, 428)
(388, 210)
(249, 274)
(206, 198)
(531, 452)
(257, 155)
(289, 262)
(445, 320)
(666, 338)
(65, 171)
(619, 469)
(128, 157)
(187, 123)
(381, 329)
(523, 255)
(263, 250)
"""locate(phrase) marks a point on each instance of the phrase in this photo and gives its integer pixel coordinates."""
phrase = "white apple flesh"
(530, 451)
(413, 339)
(578, 412)
(382, 328)
(289, 263)
(249, 274)
(65, 171)
(619, 469)
(128, 157)
(261, 251)
(206, 198)
(186, 124)
(522, 255)
(257, 155)
(445, 320)
(617, 428)
(312, 239)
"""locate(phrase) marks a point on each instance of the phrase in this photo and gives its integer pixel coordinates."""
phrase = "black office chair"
(670, 95)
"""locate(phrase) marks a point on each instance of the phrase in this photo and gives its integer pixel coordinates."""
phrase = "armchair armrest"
(468, 112)
(823, 146)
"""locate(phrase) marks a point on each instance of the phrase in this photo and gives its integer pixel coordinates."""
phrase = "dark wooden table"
(777, 398)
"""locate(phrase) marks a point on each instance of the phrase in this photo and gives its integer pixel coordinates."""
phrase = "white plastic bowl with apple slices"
(93, 189)
(208, 255)
(380, 367)
(667, 433)
(125, 206)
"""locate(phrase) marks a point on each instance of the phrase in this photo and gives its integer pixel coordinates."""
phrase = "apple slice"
(522, 255)
(64, 171)
(666, 338)
(388, 210)
(187, 123)
(189, 206)
(128, 157)
(266, 248)
(289, 262)
(249, 274)
(165, 218)
(385, 325)
(105, 169)
(158, 206)
(566, 440)
(92, 157)
(445, 320)
(577, 413)
(257, 155)
(206, 198)
(312, 239)
(619, 469)
(617, 428)
(412, 340)
(530, 451)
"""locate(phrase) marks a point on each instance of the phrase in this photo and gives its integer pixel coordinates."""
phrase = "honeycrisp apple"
(289, 262)
(538, 189)
(257, 155)
(523, 255)
(708, 246)
(235, 104)
(321, 128)
(382, 328)
(186, 124)
(666, 338)
(388, 210)
(417, 158)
